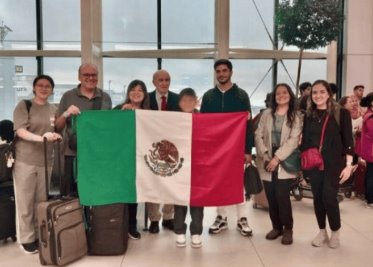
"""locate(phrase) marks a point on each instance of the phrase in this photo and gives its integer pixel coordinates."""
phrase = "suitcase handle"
(57, 153)
(43, 230)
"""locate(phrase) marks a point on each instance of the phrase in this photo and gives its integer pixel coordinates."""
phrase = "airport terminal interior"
(131, 39)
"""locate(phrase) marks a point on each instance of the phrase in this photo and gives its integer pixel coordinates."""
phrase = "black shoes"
(134, 234)
(168, 224)
(287, 237)
(154, 228)
(30, 248)
(273, 234)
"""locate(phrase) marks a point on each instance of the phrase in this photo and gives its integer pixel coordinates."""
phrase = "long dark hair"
(145, 104)
(311, 106)
(291, 110)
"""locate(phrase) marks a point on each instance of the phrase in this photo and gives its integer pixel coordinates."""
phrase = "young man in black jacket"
(228, 97)
(162, 99)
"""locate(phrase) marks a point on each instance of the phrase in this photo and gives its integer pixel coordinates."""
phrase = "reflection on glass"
(64, 72)
(119, 72)
(246, 27)
(129, 25)
(61, 32)
(255, 77)
(311, 70)
(188, 23)
(18, 16)
(16, 77)
(195, 73)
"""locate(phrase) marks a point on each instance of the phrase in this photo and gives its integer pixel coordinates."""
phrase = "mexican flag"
(161, 157)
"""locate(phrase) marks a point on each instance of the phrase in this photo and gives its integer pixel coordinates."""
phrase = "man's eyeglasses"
(89, 75)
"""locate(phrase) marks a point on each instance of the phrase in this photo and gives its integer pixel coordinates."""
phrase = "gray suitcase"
(62, 236)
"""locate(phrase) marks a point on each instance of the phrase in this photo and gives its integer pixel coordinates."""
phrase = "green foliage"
(309, 24)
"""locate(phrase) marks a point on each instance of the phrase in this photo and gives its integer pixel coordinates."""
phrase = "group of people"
(282, 129)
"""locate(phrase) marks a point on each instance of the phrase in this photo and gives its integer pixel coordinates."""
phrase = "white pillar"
(91, 27)
(222, 29)
(332, 62)
(359, 45)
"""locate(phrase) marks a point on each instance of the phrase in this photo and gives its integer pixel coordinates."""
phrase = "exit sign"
(18, 68)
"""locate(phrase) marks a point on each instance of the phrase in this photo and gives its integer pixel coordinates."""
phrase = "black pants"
(325, 200)
(369, 183)
(69, 185)
(132, 220)
(179, 220)
(278, 195)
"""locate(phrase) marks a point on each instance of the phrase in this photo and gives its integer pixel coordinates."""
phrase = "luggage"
(5, 170)
(62, 237)
(107, 232)
(260, 200)
(7, 212)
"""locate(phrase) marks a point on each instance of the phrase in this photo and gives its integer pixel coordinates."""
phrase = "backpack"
(7, 153)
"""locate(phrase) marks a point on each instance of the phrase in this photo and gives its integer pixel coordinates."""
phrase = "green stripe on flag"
(103, 138)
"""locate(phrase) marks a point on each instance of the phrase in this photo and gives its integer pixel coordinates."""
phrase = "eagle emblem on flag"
(163, 159)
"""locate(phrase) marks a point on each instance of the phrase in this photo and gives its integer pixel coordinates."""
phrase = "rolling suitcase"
(62, 237)
(7, 212)
(107, 232)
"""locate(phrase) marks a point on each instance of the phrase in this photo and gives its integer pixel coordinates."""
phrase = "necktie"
(163, 103)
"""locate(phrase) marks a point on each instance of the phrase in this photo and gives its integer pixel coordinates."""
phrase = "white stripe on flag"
(163, 157)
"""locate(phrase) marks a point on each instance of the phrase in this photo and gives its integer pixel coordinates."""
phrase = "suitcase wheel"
(14, 238)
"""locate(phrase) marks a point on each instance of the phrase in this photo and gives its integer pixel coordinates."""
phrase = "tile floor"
(231, 249)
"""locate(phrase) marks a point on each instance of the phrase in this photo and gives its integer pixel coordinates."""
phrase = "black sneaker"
(134, 234)
(154, 228)
(168, 224)
(30, 248)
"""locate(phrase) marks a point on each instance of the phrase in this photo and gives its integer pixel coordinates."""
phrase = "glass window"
(246, 28)
(64, 72)
(19, 17)
(61, 31)
(255, 77)
(16, 77)
(129, 25)
(119, 72)
(195, 73)
(187, 23)
(311, 71)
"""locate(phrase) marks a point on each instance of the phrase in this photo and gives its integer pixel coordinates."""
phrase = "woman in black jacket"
(337, 151)
(137, 98)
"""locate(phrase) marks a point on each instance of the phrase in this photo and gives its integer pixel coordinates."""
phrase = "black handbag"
(292, 163)
(252, 181)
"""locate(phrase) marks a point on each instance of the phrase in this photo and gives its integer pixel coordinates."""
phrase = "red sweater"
(366, 151)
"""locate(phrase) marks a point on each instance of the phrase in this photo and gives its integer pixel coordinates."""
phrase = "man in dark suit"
(162, 99)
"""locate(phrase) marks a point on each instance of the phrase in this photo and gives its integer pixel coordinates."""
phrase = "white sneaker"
(196, 241)
(243, 227)
(180, 241)
(219, 225)
(321, 238)
(334, 240)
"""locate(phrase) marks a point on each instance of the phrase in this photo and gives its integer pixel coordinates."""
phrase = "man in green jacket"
(228, 97)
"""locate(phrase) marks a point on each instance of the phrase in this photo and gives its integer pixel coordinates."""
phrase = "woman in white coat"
(276, 139)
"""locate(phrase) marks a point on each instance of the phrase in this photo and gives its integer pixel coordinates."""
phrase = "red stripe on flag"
(218, 147)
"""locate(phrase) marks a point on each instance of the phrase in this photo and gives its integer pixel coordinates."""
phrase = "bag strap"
(323, 132)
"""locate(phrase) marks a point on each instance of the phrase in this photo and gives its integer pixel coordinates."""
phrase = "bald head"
(88, 66)
(161, 81)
